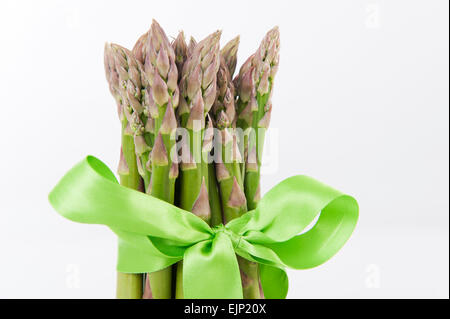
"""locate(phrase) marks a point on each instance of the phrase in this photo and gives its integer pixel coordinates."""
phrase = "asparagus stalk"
(129, 286)
(143, 126)
(229, 174)
(137, 112)
(162, 98)
(198, 92)
(254, 84)
(228, 171)
(181, 51)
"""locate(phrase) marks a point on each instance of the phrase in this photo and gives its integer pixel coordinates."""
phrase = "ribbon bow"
(154, 234)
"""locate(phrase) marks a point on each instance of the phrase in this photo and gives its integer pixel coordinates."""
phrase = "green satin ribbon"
(154, 234)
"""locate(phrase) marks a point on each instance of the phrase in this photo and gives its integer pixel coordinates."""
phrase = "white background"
(360, 103)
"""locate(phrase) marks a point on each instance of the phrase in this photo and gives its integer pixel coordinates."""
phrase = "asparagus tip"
(229, 53)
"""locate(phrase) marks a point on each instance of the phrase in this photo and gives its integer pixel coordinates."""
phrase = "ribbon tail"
(274, 282)
(211, 271)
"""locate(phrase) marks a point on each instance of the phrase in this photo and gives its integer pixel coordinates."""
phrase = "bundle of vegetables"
(191, 134)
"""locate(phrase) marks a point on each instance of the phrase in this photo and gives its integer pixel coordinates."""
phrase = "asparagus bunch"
(254, 85)
(148, 83)
(120, 71)
(198, 92)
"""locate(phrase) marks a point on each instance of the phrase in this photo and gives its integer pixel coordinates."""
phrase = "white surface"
(361, 103)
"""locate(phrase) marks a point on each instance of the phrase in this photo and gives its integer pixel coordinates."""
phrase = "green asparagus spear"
(213, 192)
(254, 85)
(163, 95)
(129, 286)
(198, 92)
(229, 174)
(228, 166)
